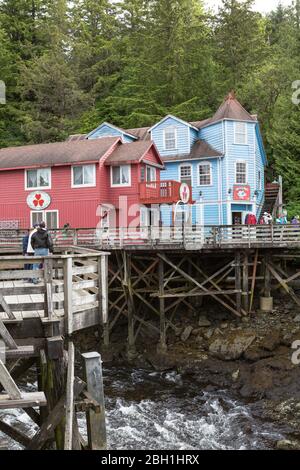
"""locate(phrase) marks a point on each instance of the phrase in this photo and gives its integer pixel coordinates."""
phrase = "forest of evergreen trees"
(69, 65)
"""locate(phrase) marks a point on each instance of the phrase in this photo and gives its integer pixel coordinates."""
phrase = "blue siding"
(214, 136)
(106, 131)
(183, 137)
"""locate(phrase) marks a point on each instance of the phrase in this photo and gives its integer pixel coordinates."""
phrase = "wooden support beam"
(6, 336)
(48, 279)
(8, 383)
(287, 289)
(253, 280)
(53, 419)
(246, 282)
(163, 341)
(70, 398)
(14, 434)
(95, 421)
(6, 308)
(238, 281)
(68, 298)
(193, 281)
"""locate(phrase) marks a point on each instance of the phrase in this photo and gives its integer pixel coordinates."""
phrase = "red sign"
(241, 192)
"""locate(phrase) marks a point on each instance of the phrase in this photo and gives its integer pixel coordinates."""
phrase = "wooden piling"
(163, 343)
(96, 424)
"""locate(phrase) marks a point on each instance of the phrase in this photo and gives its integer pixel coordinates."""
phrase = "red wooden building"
(80, 183)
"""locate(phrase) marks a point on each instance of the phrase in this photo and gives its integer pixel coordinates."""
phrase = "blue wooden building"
(222, 158)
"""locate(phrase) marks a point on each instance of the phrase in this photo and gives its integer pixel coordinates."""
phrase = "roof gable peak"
(170, 116)
(105, 123)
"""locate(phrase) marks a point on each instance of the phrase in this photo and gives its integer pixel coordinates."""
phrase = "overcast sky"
(261, 5)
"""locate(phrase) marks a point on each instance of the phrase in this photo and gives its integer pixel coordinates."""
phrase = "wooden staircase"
(271, 199)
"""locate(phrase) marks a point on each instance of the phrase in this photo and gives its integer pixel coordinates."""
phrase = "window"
(49, 217)
(150, 174)
(38, 179)
(170, 138)
(205, 174)
(120, 175)
(83, 175)
(185, 175)
(240, 135)
(241, 173)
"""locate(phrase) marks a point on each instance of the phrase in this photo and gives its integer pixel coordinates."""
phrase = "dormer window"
(170, 137)
(240, 133)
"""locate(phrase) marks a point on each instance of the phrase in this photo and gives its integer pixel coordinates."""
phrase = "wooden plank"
(8, 383)
(6, 336)
(104, 288)
(14, 434)
(27, 400)
(5, 307)
(70, 398)
(10, 275)
(68, 302)
(84, 270)
(253, 280)
(195, 294)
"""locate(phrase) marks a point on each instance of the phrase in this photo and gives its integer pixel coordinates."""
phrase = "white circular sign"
(38, 200)
(184, 193)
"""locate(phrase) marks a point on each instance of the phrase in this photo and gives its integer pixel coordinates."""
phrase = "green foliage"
(68, 66)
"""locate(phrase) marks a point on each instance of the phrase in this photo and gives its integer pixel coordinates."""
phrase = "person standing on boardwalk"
(42, 244)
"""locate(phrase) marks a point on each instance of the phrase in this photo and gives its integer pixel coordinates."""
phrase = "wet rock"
(233, 346)
(235, 375)
(224, 326)
(297, 318)
(203, 321)
(208, 334)
(285, 444)
(256, 383)
(255, 353)
(186, 333)
(271, 341)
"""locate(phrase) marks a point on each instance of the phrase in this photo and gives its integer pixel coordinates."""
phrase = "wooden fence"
(70, 288)
(187, 237)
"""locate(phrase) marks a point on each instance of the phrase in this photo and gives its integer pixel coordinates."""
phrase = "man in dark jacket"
(42, 243)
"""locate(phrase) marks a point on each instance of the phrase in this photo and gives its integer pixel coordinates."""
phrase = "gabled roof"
(76, 137)
(142, 133)
(123, 131)
(172, 117)
(200, 150)
(134, 152)
(58, 153)
(231, 108)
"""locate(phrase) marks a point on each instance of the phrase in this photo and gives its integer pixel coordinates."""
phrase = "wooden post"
(246, 283)
(163, 343)
(238, 280)
(130, 306)
(95, 421)
(267, 283)
(48, 276)
(68, 302)
(103, 288)
(70, 398)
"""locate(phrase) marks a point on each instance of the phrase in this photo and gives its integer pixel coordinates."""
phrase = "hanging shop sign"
(38, 200)
(184, 193)
(241, 192)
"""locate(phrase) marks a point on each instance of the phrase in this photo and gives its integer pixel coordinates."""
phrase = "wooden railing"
(70, 288)
(189, 237)
(160, 192)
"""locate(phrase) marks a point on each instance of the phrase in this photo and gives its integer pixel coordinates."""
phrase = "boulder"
(271, 341)
(186, 333)
(297, 318)
(285, 444)
(233, 346)
(203, 321)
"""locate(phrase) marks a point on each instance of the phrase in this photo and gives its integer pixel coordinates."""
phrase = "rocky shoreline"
(252, 357)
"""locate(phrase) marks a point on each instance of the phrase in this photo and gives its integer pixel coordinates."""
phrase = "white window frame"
(39, 188)
(191, 169)
(44, 216)
(173, 128)
(246, 172)
(90, 185)
(124, 185)
(236, 124)
(152, 169)
(210, 172)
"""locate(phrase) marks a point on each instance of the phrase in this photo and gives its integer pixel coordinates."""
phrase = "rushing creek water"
(154, 411)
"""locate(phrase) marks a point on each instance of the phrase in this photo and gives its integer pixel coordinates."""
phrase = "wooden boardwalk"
(198, 238)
